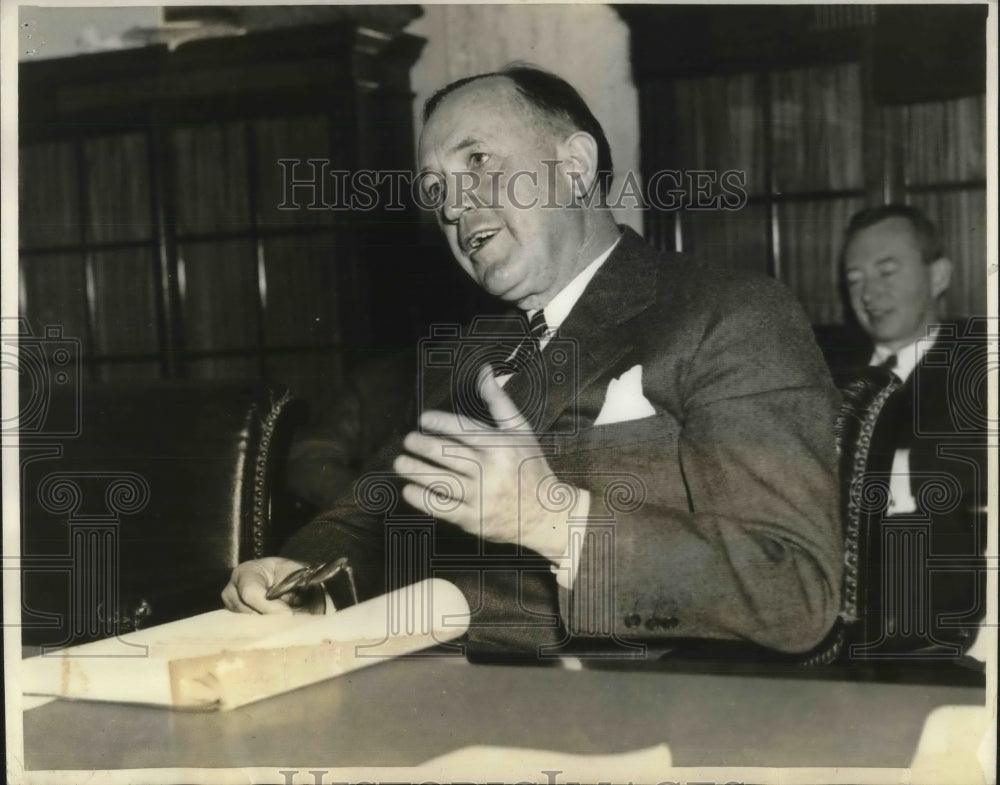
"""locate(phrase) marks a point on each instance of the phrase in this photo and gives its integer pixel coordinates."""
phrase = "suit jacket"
(939, 415)
(717, 515)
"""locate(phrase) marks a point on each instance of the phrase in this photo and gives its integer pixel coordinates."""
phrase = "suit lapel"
(596, 330)
(449, 382)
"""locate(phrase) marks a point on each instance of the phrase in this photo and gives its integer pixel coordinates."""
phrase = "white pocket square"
(624, 400)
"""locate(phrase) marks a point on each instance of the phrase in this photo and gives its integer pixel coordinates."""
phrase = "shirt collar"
(908, 357)
(559, 306)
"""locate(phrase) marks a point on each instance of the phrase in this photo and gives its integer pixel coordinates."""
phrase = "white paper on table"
(513, 764)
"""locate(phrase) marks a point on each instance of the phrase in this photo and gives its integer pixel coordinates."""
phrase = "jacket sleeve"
(737, 533)
(511, 592)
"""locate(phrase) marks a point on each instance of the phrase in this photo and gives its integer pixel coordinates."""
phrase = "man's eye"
(432, 192)
(478, 159)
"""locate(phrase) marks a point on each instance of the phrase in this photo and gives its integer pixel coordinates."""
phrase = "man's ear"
(579, 156)
(940, 276)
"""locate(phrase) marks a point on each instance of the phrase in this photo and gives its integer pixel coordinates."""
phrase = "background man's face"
(501, 233)
(892, 290)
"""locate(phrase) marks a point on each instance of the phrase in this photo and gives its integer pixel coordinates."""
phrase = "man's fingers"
(253, 594)
(247, 590)
(311, 600)
(414, 496)
(445, 486)
(231, 599)
(504, 411)
(436, 449)
(462, 430)
(443, 508)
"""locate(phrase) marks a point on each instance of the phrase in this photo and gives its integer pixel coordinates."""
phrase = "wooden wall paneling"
(219, 295)
(818, 177)
(171, 157)
(830, 147)
(49, 211)
(130, 370)
(303, 290)
(383, 274)
(944, 141)
(118, 188)
(259, 298)
(811, 233)
(928, 54)
(942, 166)
(720, 127)
(734, 238)
(961, 220)
(164, 191)
(54, 290)
(125, 318)
(298, 137)
(209, 167)
(224, 365)
(875, 140)
(658, 150)
(298, 271)
(817, 128)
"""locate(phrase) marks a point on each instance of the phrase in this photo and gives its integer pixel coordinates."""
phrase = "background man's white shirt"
(907, 359)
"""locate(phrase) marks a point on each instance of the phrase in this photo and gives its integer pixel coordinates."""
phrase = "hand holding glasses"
(313, 576)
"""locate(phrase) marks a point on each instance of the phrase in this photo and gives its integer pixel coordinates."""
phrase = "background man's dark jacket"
(939, 415)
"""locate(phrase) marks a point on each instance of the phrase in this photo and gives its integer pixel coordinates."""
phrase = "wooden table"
(405, 712)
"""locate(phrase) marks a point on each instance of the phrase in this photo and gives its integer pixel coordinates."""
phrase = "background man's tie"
(528, 348)
(890, 363)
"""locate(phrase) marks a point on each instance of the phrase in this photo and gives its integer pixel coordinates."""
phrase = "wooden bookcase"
(826, 109)
(151, 227)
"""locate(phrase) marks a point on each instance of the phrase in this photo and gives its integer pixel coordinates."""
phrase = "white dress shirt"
(556, 311)
(908, 357)
(559, 306)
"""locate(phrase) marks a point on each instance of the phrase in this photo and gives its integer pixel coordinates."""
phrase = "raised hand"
(500, 474)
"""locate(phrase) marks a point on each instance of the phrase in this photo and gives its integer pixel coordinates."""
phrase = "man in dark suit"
(652, 460)
(930, 439)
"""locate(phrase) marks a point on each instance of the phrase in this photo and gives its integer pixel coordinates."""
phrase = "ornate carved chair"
(137, 506)
(864, 392)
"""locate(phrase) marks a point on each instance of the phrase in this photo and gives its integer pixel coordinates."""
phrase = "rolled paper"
(221, 659)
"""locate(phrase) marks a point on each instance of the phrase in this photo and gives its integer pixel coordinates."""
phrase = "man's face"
(486, 148)
(892, 290)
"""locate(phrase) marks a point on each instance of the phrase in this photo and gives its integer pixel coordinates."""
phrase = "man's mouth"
(475, 241)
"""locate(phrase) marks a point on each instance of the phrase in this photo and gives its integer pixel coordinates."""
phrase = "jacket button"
(670, 622)
(652, 623)
(632, 620)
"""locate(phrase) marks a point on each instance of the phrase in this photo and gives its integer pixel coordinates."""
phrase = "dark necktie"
(527, 349)
(890, 364)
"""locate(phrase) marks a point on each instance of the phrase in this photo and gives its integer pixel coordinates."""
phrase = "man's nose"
(454, 206)
(870, 291)
(866, 292)
(460, 197)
